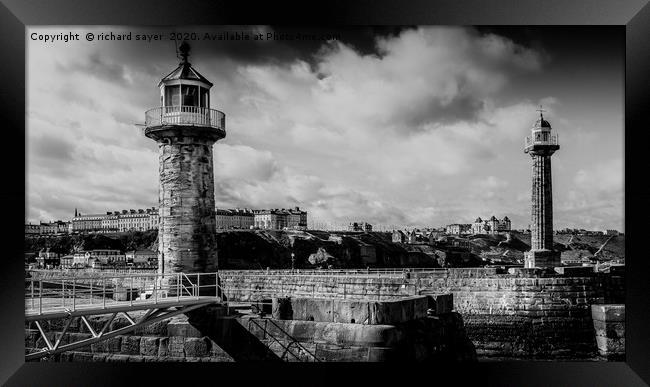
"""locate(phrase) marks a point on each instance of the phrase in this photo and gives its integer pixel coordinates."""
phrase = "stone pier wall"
(505, 316)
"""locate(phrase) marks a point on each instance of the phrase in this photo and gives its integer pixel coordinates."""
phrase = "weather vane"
(540, 110)
(184, 48)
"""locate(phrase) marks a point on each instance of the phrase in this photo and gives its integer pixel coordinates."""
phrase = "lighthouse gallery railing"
(550, 140)
(185, 115)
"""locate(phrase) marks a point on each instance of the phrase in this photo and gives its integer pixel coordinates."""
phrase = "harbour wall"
(505, 316)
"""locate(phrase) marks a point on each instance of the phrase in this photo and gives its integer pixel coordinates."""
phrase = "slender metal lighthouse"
(541, 145)
(185, 129)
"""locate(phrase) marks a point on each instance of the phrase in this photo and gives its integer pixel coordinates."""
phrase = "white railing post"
(40, 297)
(198, 285)
(32, 285)
(63, 291)
(178, 287)
(131, 292)
(74, 293)
(104, 292)
(155, 291)
(91, 291)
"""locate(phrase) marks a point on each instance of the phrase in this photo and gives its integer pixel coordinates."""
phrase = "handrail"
(185, 115)
(55, 295)
(552, 139)
(287, 349)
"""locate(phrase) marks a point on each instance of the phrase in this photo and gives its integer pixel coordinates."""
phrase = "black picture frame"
(633, 16)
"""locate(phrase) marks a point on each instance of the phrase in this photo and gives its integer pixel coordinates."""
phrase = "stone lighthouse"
(541, 145)
(185, 129)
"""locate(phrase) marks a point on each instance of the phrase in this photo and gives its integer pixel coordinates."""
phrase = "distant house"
(458, 229)
(32, 229)
(434, 235)
(141, 256)
(490, 226)
(612, 232)
(412, 237)
(47, 258)
(67, 261)
(356, 226)
(106, 256)
(398, 236)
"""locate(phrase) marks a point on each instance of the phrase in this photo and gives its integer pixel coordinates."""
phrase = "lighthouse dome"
(542, 123)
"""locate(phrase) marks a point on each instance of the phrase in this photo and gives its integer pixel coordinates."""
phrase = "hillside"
(498, 247)
(255, 249)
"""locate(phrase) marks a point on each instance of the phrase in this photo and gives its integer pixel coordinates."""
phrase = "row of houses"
(116, 221)
(149, 219)
(480, 226)
(43, 228)
(582, 231)
(270, 219)
(96, 258)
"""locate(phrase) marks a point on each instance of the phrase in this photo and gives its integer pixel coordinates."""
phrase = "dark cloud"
(97, 65)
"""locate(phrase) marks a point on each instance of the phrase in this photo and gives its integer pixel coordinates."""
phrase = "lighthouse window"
(205, 95)
(190, 95)
(172, 97)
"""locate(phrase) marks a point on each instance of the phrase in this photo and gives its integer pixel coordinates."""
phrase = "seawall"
(505, 316)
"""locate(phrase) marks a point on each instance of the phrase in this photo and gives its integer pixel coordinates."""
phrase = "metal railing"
(72, 294)
(287, 337)
(185, 115)
(376, 272)
(552, 139)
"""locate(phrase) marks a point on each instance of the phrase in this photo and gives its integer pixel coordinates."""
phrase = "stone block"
(149, 346)
(378, 354)
(337, 353)
(440, 303)
(182, 328)
(607, 346)
(608, 312)
(130, 345)
(82, 357)
(74, 337)
(117, 358)
(575, 271)
(176, 346)
(111, 345)
(154, 329)
(281, 308)
(99, 357)
(163, 347)
(196, 347)
(359, 311)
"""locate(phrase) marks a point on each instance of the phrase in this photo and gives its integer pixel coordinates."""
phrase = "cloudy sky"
(418, 126)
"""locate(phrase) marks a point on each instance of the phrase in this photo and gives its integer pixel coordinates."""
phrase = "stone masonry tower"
(185, 129)
(541, 145)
